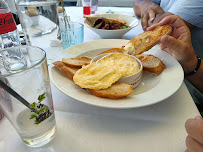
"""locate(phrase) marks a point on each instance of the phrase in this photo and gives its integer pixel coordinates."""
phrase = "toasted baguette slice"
(114, 50)
(117, 90)
(76, 62)
(106, 20)
(151, 63)
(147, 40)
(69, 71)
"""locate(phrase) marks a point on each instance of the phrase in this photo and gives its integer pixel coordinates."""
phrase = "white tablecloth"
(86, 128)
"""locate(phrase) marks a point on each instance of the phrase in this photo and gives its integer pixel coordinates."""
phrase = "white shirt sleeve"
(189, 10)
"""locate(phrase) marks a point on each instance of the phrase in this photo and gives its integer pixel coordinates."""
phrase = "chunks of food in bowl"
(107, 23)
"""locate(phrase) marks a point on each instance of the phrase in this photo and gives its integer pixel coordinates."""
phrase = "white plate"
(153, 88)
(109, 34)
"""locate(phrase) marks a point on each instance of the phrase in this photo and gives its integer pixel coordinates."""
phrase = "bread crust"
(114, 50)
(108, 93)
(69, 71)
(146, 58)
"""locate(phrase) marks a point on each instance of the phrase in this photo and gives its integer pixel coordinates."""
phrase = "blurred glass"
(33, 84)
(37, 18)
(94, 6)
(86, 7)
(72, 33)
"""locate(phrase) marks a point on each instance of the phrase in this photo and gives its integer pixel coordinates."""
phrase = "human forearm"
(146, 10)
(138, 4)
(197, 79)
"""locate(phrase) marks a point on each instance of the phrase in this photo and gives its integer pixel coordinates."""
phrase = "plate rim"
(101, 105)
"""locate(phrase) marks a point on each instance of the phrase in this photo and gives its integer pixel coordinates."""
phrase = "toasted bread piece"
(31, 11)
(60, 9)
(76, 62)
(147, 40)
(117, 90)
(151, 63)
(106, 20)
(69, 71)
(114, 50)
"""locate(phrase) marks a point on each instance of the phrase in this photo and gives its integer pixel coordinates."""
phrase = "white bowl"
(133, 80)
(109, 34)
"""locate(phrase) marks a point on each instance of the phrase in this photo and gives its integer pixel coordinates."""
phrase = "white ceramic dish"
(152, 89)
(109, 34)
(134, 79)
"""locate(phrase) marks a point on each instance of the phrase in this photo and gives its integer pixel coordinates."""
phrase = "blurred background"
(106, 3)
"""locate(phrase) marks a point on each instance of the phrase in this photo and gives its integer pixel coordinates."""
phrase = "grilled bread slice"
(151, 63)
(116, 91)
(76, 62)
(114, 50)
(69, 71)
(147, 40)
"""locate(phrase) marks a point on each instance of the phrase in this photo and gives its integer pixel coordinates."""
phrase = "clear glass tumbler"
(94, 6)
(37, 18)
(72, 33)
(38, 127)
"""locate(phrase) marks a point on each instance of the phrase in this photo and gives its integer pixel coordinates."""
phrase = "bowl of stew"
(109, 26)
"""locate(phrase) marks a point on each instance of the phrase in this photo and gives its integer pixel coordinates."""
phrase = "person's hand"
(194, 140)
(147, 11)
(179, 43)
(158, 18)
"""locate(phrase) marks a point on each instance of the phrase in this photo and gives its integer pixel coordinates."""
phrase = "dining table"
(83, 127)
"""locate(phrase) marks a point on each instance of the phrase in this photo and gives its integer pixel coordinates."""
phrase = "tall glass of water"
(35, 121)
(37, 18)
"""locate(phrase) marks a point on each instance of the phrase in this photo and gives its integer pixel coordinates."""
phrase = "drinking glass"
(35, 127)
(72, 33)
(86, 7)
(37, 18)
(94, 6)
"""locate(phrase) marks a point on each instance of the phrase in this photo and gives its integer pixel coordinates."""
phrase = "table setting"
(68, 117)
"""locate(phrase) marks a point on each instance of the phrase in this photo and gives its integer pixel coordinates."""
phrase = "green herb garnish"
(33, 105)
(41, 111)
(41, 97)
(124, 27)
(33, 116)
(27, 142)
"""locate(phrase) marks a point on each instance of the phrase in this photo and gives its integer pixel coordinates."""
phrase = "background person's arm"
(146, 10)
